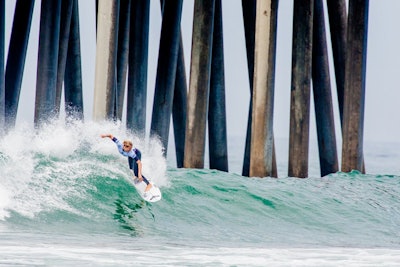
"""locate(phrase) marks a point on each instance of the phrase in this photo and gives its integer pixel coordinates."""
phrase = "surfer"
(134, 157)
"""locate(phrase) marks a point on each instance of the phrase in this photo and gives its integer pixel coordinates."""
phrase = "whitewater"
(66, 199)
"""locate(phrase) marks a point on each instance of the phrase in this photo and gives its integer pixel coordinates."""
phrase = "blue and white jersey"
(131, 153)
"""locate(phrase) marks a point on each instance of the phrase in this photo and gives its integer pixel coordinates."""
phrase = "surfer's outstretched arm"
(107, 135)
(116, 141)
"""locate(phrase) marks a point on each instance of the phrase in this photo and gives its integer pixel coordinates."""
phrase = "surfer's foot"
(148, 187)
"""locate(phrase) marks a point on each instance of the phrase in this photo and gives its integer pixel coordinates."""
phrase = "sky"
(382, 94)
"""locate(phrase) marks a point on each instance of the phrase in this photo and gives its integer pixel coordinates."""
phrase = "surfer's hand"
(140, 178)
(106, 135)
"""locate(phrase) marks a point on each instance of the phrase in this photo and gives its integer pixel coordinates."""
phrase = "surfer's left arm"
(139, 163)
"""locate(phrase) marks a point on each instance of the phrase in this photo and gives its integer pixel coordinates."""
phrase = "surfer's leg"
(134, 168)
(145, 180)
(148, 184)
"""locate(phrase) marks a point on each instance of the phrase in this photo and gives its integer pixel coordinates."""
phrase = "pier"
(197, 103)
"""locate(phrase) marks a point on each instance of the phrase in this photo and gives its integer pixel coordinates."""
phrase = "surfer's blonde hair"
(128, 142)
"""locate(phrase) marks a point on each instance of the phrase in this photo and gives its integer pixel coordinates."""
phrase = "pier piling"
(300, 89)
(338, 29)
(249, 20)
(45, 101)
(328, 158)
(354, 94)
(166, 71)
(199, 85)
(179, 107)
(16, 58)
(138, 64)
(106, 57)
(217, 133)
(73, 89)
(262, 141)
(65, 26)
(122, 57)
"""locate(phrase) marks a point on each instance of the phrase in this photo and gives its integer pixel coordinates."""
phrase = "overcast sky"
(383, 70)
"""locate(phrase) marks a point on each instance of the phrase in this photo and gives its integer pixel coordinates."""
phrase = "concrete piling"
(179, 106)
(166, 71)
(45, 101)
(65, 25)
(73, 91)
(217, 133)
(122, 57)
(328, 158)
(338, 29)
(16, 58)
(300, 88)
(106, 57)
(262, 141)
(138, 63)
(354, 94)
(249, 20)
(199, 85)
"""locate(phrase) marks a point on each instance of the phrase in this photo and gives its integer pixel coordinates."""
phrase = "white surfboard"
(153, 195)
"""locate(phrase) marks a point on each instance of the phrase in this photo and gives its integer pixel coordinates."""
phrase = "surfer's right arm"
(115, 140)
(107, 135)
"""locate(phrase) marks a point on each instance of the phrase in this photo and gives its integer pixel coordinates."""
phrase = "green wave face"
(69, 180)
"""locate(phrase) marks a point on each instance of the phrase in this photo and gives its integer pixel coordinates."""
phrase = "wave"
(66, 178)
(42, 170)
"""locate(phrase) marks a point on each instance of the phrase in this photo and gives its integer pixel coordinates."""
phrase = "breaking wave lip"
(43, 169)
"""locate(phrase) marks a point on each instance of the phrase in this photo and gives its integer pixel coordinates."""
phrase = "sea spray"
(41, 169)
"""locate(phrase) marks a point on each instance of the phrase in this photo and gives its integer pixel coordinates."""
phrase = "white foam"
(66, 254)
(57, 140)
(39, 169)
(4, 202)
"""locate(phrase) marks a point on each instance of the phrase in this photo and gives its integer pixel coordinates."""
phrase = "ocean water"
(66, 200)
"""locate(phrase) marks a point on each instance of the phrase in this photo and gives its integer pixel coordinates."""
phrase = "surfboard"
(153, 195)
